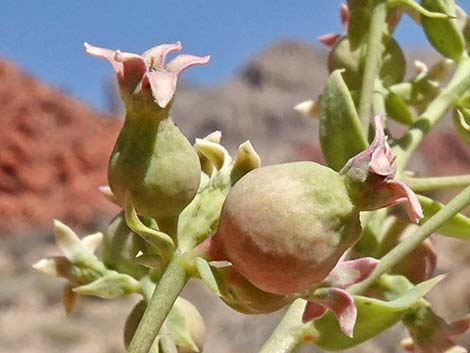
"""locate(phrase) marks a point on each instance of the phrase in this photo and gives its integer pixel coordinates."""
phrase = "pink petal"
(382, 159)
(129, 67)
(345, 15)
(313, 311)
(184, 61)
(106, 54)
(329, 39)
(341, 303)
(163, 85)
(134, 66)
(155, 57)
(394, 192)
(347, 273)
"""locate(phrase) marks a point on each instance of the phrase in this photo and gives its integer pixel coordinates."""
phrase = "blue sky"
(46, 37)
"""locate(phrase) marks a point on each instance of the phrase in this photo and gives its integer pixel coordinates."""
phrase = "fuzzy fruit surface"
(284, 227)
(156, 165)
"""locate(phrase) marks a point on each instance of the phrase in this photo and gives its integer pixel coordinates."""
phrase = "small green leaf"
(162, 242)
(68, 241)
(373, 317)
(398, 110)
(444, 34)
(341, 135)
(112, 285)
(207, 276)
(457, 227)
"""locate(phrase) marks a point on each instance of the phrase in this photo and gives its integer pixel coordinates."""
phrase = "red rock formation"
(53, 156)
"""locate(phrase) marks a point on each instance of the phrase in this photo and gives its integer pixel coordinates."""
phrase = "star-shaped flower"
(138, 73)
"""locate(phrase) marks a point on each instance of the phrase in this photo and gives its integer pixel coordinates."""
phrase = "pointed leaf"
(207, 276)
(341, 135)
(69, 298)
(67, 240)
(92, 242)
(112, 285)
(58, 266)
(457, 227)
(418, 8)
(247, 160)
(444, 34)
(162, 242)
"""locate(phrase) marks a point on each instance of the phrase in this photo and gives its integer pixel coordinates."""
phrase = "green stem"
(403, 249)
(372, 60)
(284, 339)
(458, 85)
(436, 183)
(172, 282)
(378, 100)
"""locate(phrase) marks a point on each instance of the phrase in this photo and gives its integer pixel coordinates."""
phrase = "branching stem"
(436, 183)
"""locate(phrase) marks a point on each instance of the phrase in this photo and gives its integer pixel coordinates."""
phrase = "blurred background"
(60, 114)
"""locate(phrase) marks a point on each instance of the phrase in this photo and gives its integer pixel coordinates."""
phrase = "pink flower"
(371, 177)
(138, 73)
(330, 293)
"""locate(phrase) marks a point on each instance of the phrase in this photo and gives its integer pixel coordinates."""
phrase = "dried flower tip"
(309, 108)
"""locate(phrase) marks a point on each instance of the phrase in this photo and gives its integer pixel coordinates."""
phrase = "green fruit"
(155, 165)
(284, 227)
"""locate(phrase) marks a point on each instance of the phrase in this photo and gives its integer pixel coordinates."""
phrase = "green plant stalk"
(378, 101)
(436, 183)
(372, 60)
(172, 282)
(457, 86)
(284, 339)
(404, 248)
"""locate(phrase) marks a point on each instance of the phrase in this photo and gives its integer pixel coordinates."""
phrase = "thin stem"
(378, 100)
(436, 183)
(458, 85)
(404, 248)
(172, 282)
(284, 339)
(372, 60)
